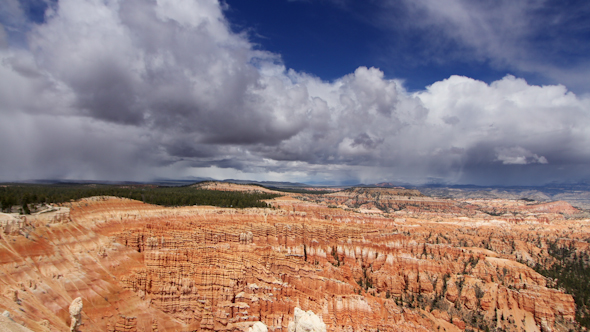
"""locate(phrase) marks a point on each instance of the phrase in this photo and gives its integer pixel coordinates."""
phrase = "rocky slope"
(428, 265)
(399, 202)
(577, 195)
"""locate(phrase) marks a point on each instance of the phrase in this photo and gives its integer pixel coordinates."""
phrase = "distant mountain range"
(577, 194)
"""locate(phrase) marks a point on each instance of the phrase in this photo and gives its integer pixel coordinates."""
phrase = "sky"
(317, 91)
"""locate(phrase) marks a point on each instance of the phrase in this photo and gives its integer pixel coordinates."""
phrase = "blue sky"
(318, 38)
(325, 91)
(412, 41)
(330, 40)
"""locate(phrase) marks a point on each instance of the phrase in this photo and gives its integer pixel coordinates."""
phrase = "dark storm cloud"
(164, 66)
(140, 89)
(107, 94)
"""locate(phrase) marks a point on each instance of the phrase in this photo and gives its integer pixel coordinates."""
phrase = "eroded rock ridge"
(139, 267)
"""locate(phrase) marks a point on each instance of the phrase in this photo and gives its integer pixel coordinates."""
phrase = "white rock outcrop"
(76, 314)
(302, 322)
(306, 322)
(10, 225)
(258, 327)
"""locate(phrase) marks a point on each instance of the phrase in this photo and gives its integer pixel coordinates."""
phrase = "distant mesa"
(387, 185)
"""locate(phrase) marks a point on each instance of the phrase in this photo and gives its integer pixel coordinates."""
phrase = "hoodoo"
(141, 267)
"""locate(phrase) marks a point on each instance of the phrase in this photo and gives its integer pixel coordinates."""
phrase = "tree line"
(24, 197)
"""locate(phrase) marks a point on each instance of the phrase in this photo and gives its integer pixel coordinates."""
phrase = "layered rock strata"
(147, 268)
(396, 202)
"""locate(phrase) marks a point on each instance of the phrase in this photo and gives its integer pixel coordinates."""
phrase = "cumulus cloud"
(136, 89)
(518, 156)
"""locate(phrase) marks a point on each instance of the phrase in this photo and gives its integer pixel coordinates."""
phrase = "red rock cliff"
(139, 267)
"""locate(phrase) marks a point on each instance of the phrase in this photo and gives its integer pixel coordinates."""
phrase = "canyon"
(361, 259)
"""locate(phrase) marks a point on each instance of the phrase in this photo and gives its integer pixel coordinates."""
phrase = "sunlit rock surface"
(140, 267)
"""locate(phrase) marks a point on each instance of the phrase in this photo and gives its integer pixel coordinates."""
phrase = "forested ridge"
(25, 197)
(570, 271)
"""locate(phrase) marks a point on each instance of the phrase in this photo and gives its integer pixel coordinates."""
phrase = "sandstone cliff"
(139, 267)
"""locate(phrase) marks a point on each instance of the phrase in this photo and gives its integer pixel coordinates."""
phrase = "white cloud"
(137, 89)
(518, 156)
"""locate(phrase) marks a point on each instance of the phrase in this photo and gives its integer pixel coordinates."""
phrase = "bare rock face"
(404, 202)
(11, 225)
(76, 314)
(246, 238)
(258, 327)
(302, 322)
(306, 322)
(9, 325)
(141, 267)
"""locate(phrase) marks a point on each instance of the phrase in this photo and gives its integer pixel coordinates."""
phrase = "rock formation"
(11, 225)
(9, 325)
(411, 203)
(302, 322)
(76, 314)
(141, 267)
(306, 322)
(258, 327)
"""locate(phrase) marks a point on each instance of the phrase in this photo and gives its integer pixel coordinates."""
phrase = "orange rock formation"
(140, 267)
